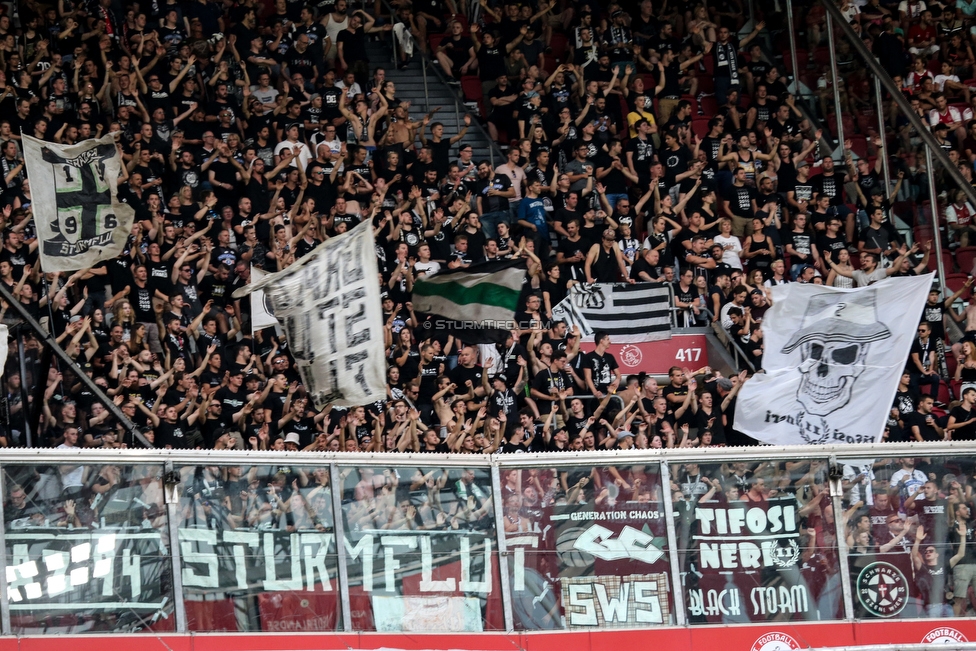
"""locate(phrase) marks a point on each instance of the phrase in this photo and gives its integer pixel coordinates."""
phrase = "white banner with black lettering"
(328, 304)
(80, 221)
(833, 358)
(262, 315)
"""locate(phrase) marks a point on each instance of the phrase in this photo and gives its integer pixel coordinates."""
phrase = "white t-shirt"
(351, 91)
(304, 156)
(940, 80)
(862, 279)
(912, 9)
(731, 247)
(73, 479)
(429, 268)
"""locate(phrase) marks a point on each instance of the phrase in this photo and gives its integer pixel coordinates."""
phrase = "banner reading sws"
(587, 548)
(74, 189)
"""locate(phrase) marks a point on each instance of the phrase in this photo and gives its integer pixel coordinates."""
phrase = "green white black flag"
(74, 189)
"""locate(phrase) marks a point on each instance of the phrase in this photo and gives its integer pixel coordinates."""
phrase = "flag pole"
(51, 343)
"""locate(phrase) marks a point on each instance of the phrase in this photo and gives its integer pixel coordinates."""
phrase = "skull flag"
(80, 221)
(832, 360)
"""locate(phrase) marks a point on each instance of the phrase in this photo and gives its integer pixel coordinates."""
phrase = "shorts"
(963, 576)
(741, 226)
(970, 336)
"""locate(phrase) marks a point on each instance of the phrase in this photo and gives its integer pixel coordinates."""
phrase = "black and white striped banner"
(628, 313)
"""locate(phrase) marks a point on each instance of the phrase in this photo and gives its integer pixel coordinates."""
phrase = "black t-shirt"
(832, 186)
(231, 403)
(928, 432)
(495, 203)
(353, 45)
(602, 367)
(141, 300)
(642, 155)
(740, 201)
(457, 50)
(546, 380)
(967, 432)
(171, 434)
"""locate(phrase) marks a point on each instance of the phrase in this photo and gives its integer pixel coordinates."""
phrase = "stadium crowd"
(642, 143)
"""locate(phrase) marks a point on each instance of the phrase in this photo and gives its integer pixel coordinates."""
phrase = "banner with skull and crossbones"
(832, 360)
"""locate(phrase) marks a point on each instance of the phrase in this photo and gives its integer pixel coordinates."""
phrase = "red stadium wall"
(726, 638)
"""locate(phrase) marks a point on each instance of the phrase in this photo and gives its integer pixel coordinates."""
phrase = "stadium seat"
(471, 85)
(859, 144)
(965, 258)
(435, 40)
(709, 106)
(700, 126)
(945, 395)
(948, 263)
(821, 56)
(559, 44)
(905, 210)
(802, 56)
(956, 281)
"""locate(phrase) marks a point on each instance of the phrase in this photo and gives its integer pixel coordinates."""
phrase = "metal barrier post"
(789, 29)
(496, 496)
(879, 107)
(172, 496)
(4, 597)
(676, 588)
(340, 539)
(24, 395)
(836, 493)
(934, 203)
(833, 73)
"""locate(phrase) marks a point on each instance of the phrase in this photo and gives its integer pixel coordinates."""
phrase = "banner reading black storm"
(74, 193)
(594, 559)
(754, 562)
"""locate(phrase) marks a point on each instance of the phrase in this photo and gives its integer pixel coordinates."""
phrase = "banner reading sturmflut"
(833, 358)
(328, 304)
(80, 221)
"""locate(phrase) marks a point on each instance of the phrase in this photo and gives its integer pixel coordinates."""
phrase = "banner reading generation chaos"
(74, 189)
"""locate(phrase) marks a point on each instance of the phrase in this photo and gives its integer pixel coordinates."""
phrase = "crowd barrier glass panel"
(421, 550)
(587, 547)
(910, 536)
(87, 549)
(258, 548)
(756, 542)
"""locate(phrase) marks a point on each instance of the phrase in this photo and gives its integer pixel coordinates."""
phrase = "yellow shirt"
(634, 117)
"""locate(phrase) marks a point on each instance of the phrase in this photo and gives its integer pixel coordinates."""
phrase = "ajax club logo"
(943, 635)
(882, 589)
(775, 641)
(631, 356)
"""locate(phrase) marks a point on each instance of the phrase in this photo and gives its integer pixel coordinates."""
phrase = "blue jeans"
(513, 207)
(722, 86)
(491, 220)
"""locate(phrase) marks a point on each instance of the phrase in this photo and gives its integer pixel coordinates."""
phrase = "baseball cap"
(622, 434)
